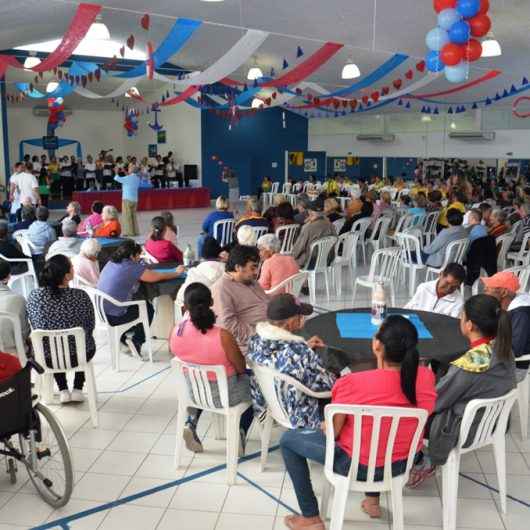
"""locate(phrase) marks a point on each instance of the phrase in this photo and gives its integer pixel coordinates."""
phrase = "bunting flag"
(84, 16)
(188, 93)
(486, 77)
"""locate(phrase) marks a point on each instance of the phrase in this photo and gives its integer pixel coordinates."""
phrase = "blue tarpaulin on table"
(108, 241)
(173, 269)
(359, 326)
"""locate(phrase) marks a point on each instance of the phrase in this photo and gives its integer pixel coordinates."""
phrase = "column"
(5, 167)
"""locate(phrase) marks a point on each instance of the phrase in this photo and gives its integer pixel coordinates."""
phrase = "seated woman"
(120, 279)
(73, 211)
(93, 220)
(486, 370)
(198, 340)
(276, 345)
(86, 262)
(383, 204)
(398, 381)
(171, 228)
(332, 210)
(110, 226)
(275, 267)
(159, 247)
(56, 306)
(497, 223)
(284, 216)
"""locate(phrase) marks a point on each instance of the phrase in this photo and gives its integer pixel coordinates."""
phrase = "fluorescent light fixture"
(254, 73)
(426, 119)
(350, 70)
(453, 125)
(51, 86)
(491, 47)
(30, 62)
(257, 103)
(133, 91)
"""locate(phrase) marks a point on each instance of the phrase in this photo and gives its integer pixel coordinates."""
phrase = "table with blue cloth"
(348, 335)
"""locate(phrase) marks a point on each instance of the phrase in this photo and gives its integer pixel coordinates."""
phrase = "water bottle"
(189, 256)
(378, 304)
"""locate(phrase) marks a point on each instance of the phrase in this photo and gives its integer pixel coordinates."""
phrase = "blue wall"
(396, 166)
(297, 172)
(250, 148)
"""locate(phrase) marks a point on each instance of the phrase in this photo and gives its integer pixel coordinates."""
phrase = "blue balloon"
(433, 61)
(468, 8)
(448, 17)
(457, 73)
(459, 32)
(436, 39)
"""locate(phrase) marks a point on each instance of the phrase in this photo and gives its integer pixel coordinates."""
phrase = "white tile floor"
(132, 452)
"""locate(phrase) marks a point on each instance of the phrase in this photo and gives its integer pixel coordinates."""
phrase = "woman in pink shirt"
(198, 340)
(398, 381)
(275, 267)
(171, 228)
(85, 264)
(159, 247)
(93, 220)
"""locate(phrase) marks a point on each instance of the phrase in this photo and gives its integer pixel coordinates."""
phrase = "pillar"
(5, 167)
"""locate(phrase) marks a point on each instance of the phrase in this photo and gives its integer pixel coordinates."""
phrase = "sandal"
(372, 510)
(418, 476)
(293, 522)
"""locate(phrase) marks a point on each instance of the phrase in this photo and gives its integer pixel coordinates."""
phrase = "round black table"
(150, 291)
(446, 345)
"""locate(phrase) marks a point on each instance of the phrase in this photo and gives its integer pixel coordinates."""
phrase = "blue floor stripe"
(135, 384)
(515, 499)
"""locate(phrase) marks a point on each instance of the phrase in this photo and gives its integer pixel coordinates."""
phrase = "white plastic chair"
(377, 239)
(287, 234)
(522, 399)
(342, 485)
(338, 224)
(410, 258)
(286, 188)
(115, 332)
(270, 382)
(30, 276)
(260, 231)
(25, 244)
(344, 201)
(491, 430)
(503, 243)
(321, 248)
(361, 226)
(14, 322)
(522, 256)
(347, 244)
(60, 360)
(454, 253)
(223, 231)
(429, 226)
(292, 285)
(275, 187)
(523, 274)
(292, 198)
(194, 390)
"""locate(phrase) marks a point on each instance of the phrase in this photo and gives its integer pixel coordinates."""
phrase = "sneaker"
(64, 396)
(191, 439)
(77, 396)
(135, 348)
(242, 443)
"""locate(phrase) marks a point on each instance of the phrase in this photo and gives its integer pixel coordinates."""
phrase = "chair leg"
(396, 496)
(450, 490)
(337, 277)
(114, 344)
(179, 436)
(92, 394)
(499, 452)
(46, 387)
(522, 405)
(219, 426)
(232, 446)
(266, 433)
(148, 342)
(354, 292)
(392, 294)
(326, 279)
(324, 506)
(340, 497)
(312, 287)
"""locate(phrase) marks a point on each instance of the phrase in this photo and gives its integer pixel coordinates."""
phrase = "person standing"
(129, 184)
(24, 185)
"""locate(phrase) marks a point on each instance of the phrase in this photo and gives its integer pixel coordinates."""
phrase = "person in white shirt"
(25, 184)
(441, 296)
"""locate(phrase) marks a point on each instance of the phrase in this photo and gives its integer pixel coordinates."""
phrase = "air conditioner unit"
(472, 135)
(376, 137)
(42, 112)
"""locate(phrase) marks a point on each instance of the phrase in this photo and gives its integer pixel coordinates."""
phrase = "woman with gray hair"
(497, 225)
(275, 267)
(86, 264)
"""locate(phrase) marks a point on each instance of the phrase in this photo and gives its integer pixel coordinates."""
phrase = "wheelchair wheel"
(52, 475)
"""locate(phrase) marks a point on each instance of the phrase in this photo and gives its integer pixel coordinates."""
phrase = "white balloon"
(457, 73)
(436, 39)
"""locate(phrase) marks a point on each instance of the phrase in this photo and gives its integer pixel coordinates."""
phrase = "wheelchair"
(31, 436)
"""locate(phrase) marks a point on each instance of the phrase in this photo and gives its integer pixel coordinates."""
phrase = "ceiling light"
(426, 119)
(491, 47)
(257, 103)
(98, 30)
(30, 62)
(350, 70)
(453, 125)
(133, 91)
(254, 73)
(51, 86)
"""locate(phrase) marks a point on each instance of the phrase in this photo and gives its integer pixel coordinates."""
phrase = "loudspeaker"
(191, 172)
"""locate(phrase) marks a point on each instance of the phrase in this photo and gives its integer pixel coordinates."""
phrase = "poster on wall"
(152, 150)
(310, 165)
(339, 165)
(296, 158)
(161, 137)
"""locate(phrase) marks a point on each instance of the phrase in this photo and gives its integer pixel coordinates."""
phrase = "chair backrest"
(98, 300)
(384, 263)
(515, 227)
(345, 247)
(275, 187)
(523, 251)
(287, 234)
(223, 231)
(292, 285)
(455, 252)
(495, 413)
(344, 202)
(403, 222)
(380, 229)
(8, 319)
(321, 248)
(338, 224)
(503, 246)
(386, 417)
(260, 231)
(58, 342)
(78, 282)
(286, 188)
(23, 241)
(149, 258)
(361, 226)
(292, 198)
(429, 222)
(410, 249)
(523, 273)
(194, 386)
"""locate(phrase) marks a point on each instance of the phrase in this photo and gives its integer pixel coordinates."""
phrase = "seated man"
(27, 216)
(239, 300)
(441, 296)
(504, 286)
(277, 346)
(40, 233)
(478, 230)
(523, 209)
(252, 216)
(497, 223)
(68, 244)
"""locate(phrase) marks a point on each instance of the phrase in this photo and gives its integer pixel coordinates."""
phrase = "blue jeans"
(200, 244)
(298, 445)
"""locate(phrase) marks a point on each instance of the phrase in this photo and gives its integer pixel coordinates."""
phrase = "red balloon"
(484, 7)
(440, 5)
(472, 50)
(480, 25)
(451, 54)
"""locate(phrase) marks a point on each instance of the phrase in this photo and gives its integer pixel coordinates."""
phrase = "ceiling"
(372, 30)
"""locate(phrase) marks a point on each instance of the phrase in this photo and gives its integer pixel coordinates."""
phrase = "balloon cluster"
(453, 44)
(131, 123)
(56, 117)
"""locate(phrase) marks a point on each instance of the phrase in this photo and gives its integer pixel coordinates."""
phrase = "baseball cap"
(284, 306)
(502, 280)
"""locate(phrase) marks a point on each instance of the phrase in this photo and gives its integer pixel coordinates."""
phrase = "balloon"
(457, 73)
(472, 50)
(447, 18)
(436, 39)
(480, 25)
(433, 61)
(484, 7)
(451, 54)
(440, 5)
(459, 32)
(468, 8)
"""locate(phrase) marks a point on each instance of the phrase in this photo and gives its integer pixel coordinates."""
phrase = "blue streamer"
(179, 35)
(82, 68)
(64, 89)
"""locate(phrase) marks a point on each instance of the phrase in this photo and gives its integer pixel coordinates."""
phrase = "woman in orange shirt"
(111, 226)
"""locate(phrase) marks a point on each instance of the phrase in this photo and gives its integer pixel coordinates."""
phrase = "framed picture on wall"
(310, 165)
(152, 150)
(161, 137)
(339, 165)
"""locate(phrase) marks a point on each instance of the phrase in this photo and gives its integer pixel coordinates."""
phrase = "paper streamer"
(120, 91)
(181, 97)
(63, 89)
(82, 68)
(84, 16)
